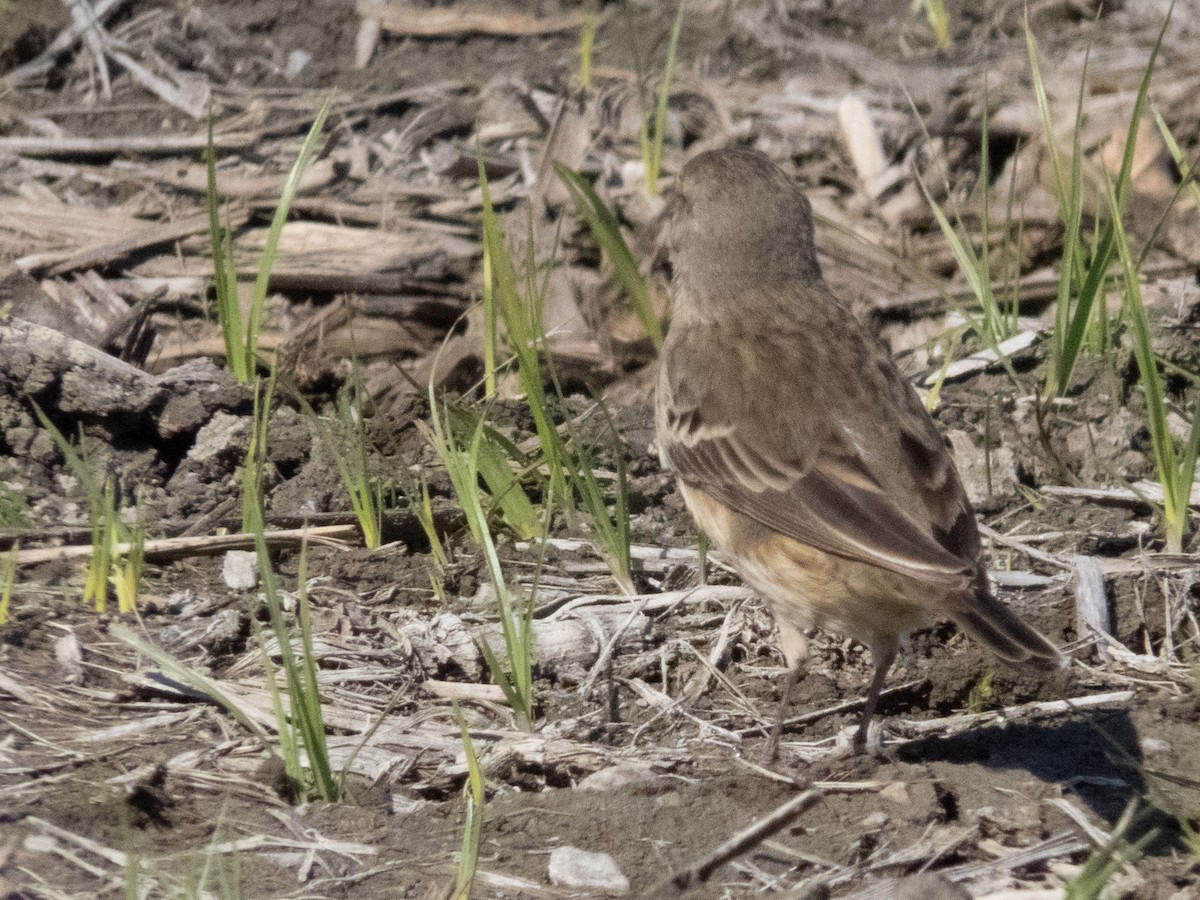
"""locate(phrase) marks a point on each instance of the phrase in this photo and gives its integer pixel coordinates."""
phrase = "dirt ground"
(119, 778)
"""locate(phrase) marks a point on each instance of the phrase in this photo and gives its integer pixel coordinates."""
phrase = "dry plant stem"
(44, 62)
(865, 145)
(461, 20)
(193, 103)
(1141, 494)
(845, 706)
(602, 661)
(122, 145)
(1091, 604)
(341, 537)
(1032, 552)
(700, 871)
(89, 26)
(1049, 707)
(1058, 846)
(365, 42)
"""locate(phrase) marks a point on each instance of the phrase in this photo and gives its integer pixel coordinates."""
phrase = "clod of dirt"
(989, 475)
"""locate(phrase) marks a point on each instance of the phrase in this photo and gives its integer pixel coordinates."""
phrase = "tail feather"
(1004, 633)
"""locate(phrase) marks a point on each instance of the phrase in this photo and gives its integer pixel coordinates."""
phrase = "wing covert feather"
(876, 488)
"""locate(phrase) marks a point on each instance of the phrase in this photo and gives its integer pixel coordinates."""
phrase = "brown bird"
(798, 446)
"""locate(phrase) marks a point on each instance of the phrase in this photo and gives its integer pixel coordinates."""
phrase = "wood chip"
(1091, 602)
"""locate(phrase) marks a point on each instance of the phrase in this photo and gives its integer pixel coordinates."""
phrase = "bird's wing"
(879, 487)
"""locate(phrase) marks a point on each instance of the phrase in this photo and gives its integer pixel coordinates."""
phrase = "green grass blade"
(610, 531)
(935, 12)
(523, 326)
(253, 511)
(102, 515)
(304, 699)
(489, 323)
(606, 232)
(1124, 178)
(1167, 461)
(352, 454)
(515, 674)
(653, 160)
(8, 577)
(287, 733)
(495, 453)
(475, 797)
(1043, 105)
(229, 310)
(313, 718)
(258, 297)
(190, 677)
(587, 43)
(1187, 170)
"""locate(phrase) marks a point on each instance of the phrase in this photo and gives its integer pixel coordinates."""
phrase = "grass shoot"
(301, 726)
(1106, 861)
(254, 465)
(1081, 315)
(1174, 464)
(116, 547)
(514, 674)
(522, 318)
(997, 323)
(939, 21)
(241, 335)
(13, 508)
(1188, 171)
(606, 232)
(587, 43)
(353, 454)
(497, 458)
(8, 577)
(609, 529)
(650, 137)
(422, 507)
(474, 797)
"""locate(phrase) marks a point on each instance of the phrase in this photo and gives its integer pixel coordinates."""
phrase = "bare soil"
(115, 773)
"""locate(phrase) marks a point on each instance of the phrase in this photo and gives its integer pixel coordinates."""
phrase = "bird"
(800, 450)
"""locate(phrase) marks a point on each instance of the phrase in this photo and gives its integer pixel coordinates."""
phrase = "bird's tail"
(1003, 632)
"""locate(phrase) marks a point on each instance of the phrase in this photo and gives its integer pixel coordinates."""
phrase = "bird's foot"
(853, 741)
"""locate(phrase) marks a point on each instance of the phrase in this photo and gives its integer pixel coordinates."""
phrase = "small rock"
(69, 656)
(571, 867)
(240, 570)
(896, 792)
(618, 776)
(1152, 745)
(296, 62)
(224, 433)
(404, 806)
(984, 474)
(876, 820)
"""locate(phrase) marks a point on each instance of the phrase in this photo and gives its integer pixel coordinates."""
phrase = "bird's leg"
(793, 678)
(884, 657)
(794, 644)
